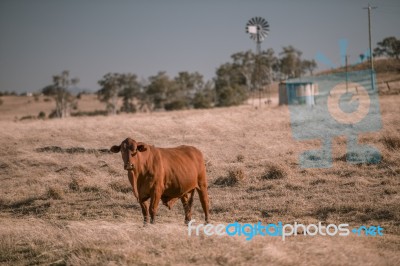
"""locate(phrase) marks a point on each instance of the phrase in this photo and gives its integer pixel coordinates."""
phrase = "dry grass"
(75, 206)
(391, 140)
(18, 107)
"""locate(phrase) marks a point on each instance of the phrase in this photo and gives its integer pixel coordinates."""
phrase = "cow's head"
(129, 149)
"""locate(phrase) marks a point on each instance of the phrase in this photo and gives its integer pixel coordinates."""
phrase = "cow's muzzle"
(129, 166)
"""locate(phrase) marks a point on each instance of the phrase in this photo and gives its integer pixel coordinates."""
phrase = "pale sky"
(41, 38)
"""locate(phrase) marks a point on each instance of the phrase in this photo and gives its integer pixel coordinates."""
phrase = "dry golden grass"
(18, 107)
(77, 207)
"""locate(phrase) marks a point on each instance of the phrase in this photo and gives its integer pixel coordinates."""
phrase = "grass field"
(68, 205)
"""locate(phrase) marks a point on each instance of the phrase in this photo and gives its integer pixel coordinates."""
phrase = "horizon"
(145, 38)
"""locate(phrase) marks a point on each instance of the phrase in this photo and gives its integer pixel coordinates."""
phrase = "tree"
(290, 62)
(182, 91)
(157, 89)
(145, 101)
(244, 62)
(49, 90)
(205, 97)
(257, 70)
(269, 65)
(389, 46)
(114, 85)
(186, 86)
(110, 88)
(189, 83)
(230, 86)
(173, 94)
(59, 91)
(130, 91)
(309, 65)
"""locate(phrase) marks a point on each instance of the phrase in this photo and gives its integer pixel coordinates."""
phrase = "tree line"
(234, 82)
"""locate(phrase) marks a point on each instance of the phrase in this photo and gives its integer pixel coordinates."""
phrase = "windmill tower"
(258, 28)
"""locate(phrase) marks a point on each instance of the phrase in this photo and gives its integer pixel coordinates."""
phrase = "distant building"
(297, 92)
(29, 94)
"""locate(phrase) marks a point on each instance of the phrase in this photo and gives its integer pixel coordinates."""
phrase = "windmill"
(258, 28)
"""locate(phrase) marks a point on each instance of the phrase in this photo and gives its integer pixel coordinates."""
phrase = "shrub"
(54, 193)
(91, 189)
(274, 171)
(42, 115)
(240, 158)
(202, 101)
(120, 186)
(27, 117)
(75, 184)
(234, 177)
(175, 105)
(391, 141)
(231, 95)
(53, 114)
(128, 107)
(90, 113)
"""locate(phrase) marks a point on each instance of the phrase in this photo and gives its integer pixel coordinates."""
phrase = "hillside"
(387, 72)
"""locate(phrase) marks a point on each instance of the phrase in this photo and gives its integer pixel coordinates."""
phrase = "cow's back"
(182, 167)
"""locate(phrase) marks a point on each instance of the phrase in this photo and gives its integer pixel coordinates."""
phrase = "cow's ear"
(115, 148)
(141, 147)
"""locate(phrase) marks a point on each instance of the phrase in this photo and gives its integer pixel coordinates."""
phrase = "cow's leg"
(203, 195)
(187, 201)
(144, 204)
(154, 201)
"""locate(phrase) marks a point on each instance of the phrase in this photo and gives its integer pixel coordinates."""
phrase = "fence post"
(387, 83)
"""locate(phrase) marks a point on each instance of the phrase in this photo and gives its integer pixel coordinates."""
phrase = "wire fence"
(389, 86)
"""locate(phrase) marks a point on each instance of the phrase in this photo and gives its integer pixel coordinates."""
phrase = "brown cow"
(166, 174)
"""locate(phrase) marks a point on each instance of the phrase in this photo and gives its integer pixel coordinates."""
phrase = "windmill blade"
(258, 28)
